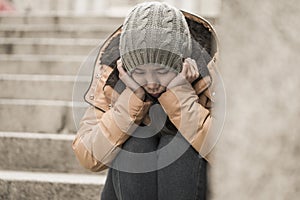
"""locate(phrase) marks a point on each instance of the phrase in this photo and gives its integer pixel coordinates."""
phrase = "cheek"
(165, 80)
(139, 79)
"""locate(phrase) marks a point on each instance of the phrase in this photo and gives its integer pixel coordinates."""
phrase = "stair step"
(24, 185)
(50, 87)
(42, 152)
(58, 18)
(53, 46)
(42, 64)
(42, 116)
(57, 31)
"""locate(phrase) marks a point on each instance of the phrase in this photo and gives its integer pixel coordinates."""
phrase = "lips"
(156, 95)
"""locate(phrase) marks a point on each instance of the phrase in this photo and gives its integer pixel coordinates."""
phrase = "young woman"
(150, 114)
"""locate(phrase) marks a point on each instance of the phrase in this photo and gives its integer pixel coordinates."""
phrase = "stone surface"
(41, 116)
(48, 46)
(50, 87)
(258, 154)
(37, 186)
(40, 57)
(55, 191)
(63, 18)
(42, 64)
(54, 31)
(39, 153)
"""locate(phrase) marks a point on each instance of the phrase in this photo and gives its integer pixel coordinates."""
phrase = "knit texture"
(155, 33)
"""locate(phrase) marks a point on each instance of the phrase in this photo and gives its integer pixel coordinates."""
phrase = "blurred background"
(44, 42)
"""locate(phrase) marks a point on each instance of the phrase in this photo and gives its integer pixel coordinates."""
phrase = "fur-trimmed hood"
(205, 52)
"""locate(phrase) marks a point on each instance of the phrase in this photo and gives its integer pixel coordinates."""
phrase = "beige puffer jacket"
(113, 116)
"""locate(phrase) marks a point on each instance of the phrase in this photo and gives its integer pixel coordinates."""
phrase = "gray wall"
(258, 155)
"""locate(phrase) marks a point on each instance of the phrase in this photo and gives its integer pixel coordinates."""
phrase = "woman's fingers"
(192, 66)
(191, 69)
(129, 82)
(184, 69)
(120, 68)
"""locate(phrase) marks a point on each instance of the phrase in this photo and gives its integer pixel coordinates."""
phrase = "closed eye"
(162, 71)
(138, 71)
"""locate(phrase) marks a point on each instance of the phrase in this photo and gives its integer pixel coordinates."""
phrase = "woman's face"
(153, 78)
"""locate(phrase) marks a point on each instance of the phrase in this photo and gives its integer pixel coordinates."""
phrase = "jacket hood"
(205, 51)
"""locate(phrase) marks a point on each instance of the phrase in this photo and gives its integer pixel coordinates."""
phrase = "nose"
(152, 87)
(152, 83)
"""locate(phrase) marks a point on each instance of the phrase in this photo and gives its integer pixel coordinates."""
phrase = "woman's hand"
(188, 74)
(129, 82)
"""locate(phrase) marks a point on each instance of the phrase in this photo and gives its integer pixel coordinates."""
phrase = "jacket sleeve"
(100, 134)
(192, 119)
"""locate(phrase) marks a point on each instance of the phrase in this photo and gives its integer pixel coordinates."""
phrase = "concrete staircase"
(40, 57)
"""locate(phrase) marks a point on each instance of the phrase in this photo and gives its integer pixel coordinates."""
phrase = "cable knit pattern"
(155, 32)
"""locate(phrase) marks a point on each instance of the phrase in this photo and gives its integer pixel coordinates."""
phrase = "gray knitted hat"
(155, 32)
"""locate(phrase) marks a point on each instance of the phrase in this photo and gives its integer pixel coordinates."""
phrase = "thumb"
(120, 68)
(184, 68)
